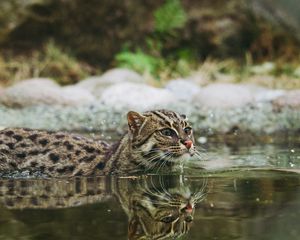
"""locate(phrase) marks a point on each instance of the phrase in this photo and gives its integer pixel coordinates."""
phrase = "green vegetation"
(170, 16)
(139, 61)
(151, 60)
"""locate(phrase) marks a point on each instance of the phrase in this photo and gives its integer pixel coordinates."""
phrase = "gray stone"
(97, 84)
(136, 96)
(74, 95)
(108, 114)
(262, 94)
(43, 91)
(290, 99)
(183, 89)
(221, 95)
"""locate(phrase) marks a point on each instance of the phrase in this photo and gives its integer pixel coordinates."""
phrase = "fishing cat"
(155, 139)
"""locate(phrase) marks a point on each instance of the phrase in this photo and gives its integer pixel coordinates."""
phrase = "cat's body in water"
(155, 140)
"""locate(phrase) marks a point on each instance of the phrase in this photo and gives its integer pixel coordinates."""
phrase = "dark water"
(250, 192)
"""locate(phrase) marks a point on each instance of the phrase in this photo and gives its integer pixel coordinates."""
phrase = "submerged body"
(155, 139)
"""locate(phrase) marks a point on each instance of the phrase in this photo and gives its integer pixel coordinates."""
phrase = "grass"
(276, 75)
(51, 62)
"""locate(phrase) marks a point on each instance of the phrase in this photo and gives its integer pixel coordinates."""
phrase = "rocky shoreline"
(100, 103)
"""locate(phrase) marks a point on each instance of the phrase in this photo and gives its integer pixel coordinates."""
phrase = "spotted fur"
(155, 140)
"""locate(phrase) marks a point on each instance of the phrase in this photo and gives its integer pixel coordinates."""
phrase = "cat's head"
(161, 134)
(161, 221)
(160, 208)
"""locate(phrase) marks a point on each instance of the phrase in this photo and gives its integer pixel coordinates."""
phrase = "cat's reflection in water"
(157, 207)
(160, 207)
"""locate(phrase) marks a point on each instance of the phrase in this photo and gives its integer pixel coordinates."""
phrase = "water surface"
(234, 192)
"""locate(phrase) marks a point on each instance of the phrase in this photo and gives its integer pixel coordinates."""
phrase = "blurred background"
(254, 41)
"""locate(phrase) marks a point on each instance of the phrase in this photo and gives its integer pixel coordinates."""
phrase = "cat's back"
(52, 153)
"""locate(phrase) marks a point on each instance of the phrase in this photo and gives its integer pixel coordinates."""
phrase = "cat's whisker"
(154, 186)
(200, 155)
(149, 161)
(163, 160)
(202, 152)
(163, 195)
(157, 192)
(153, 162)
(167, 157)
(149, 191)
(163, 186)
(201, 193)
(160, 203)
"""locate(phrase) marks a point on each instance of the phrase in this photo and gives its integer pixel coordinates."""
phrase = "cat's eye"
(167, 132)
(188, 130)
(168, 219)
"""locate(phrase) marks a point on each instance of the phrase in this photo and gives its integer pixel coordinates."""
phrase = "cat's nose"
(188, 144)
(188, 208)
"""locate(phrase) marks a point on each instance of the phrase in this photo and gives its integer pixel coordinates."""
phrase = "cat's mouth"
(168, 157)
(185, 153)
(181, 156)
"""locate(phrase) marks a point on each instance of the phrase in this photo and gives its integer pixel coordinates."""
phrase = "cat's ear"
(184, 116)
(135, 121)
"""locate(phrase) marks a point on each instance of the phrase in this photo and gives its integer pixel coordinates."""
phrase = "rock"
(262, 94)
(136, 96)
(74, 95)
(36, 82)
(224, 96)
(183, 89)
(290, 99)
(97, 84)
(43, 91)
(267, 95)
(28, 92)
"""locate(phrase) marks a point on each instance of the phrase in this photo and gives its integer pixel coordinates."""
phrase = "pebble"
(224, 95)
(97, 84)
(43, 91)
(290, 99)
(183, 89)
(101, 104)
(136, 96)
